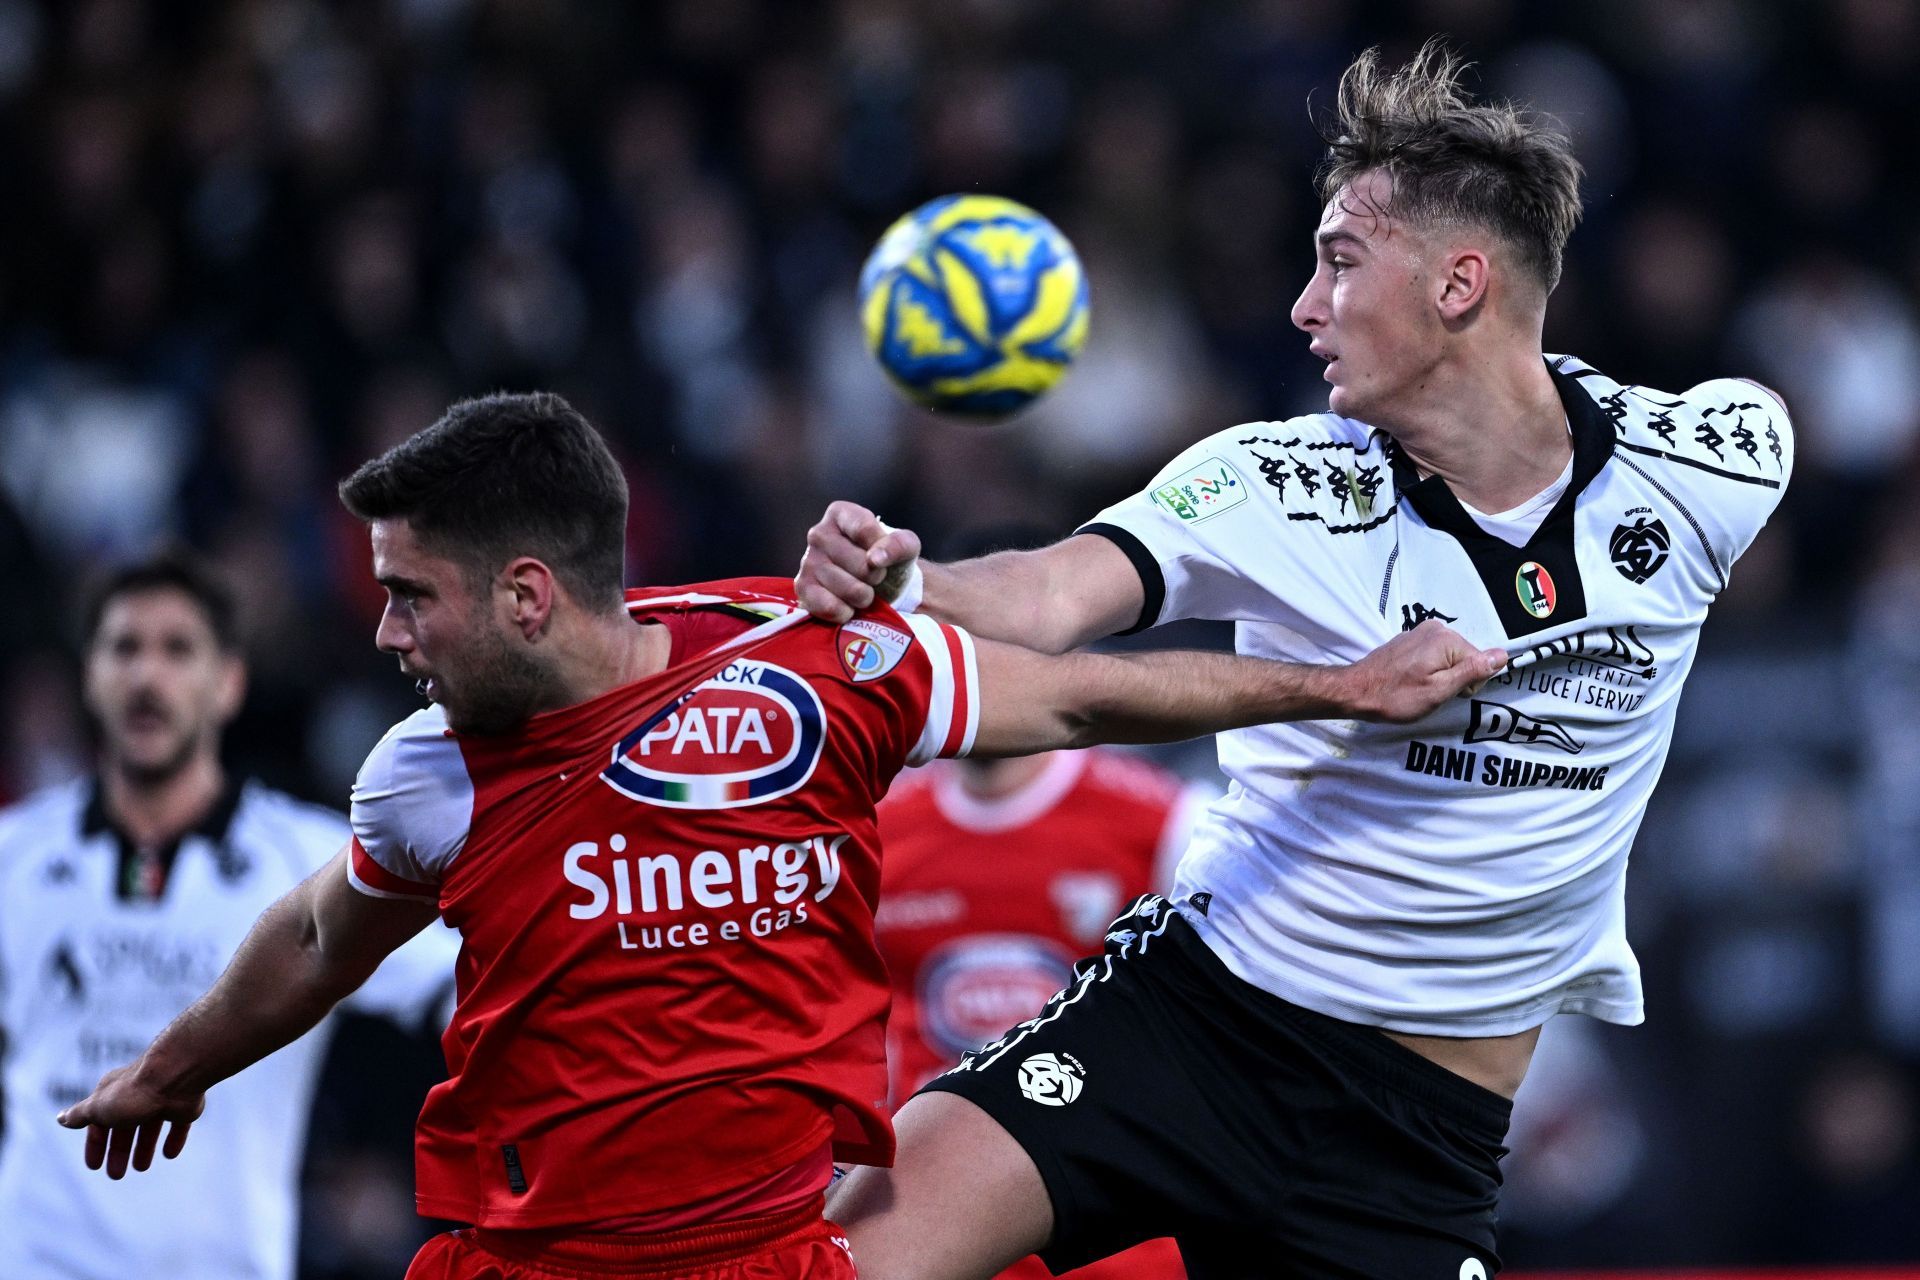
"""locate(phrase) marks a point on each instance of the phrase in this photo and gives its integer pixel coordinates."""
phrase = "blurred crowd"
(245, 244)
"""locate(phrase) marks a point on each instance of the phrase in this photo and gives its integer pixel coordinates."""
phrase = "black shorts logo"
(1052, 1079)
(1639, 549)
(1496, 722)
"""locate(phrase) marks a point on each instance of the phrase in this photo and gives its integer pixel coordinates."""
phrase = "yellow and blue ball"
(974, 305)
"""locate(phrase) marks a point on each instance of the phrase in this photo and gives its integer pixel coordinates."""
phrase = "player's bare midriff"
(1498, 1063)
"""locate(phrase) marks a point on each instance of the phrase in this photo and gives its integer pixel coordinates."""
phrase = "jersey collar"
(1593, 439)
(1496, 560)
(142, 875)
(213, 824)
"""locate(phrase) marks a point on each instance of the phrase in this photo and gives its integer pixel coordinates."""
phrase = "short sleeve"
(1185, 531)
(411, 809)
(953, 699)
(1747, 427)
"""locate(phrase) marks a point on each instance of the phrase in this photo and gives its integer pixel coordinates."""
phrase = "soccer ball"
(974, 305)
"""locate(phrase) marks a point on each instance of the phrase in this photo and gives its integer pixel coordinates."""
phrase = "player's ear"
(1461, 283)
(530, 590)
(232, 690)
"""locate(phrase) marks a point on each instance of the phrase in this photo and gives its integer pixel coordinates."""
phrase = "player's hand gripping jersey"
(668, 984)
(1463, 875)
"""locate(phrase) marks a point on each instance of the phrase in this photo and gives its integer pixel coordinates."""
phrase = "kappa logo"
(1207, 490)
(750, 734)
(1412, 615)
(1052, 1080)
(868, 649)
(1640, 548)
(1496, 722)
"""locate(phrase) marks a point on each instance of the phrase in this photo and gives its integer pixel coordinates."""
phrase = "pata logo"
(1052, 1080)
(750, 734)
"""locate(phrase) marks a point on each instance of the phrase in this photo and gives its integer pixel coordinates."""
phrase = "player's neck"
(1492, 427)
(156, 811)
(603, 654)
(998, 779)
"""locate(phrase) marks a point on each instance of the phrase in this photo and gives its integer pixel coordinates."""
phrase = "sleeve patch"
(1201, 492)
(869, 649)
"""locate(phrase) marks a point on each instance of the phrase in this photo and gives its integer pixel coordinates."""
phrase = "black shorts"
(1161, 1095)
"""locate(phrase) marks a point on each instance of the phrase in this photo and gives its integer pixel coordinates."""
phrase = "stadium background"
(246, 243)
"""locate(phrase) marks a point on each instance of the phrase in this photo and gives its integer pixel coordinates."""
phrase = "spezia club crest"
(1052, 1079)
(868, 650)
(1640, 548)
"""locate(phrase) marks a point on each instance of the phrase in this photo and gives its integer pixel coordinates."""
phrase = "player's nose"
(1309, 312)
(391, 636)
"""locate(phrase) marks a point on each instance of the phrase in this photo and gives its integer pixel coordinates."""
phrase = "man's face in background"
(159, 683)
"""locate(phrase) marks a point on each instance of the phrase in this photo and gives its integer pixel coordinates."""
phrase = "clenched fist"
(851, 556)
(1415, 673)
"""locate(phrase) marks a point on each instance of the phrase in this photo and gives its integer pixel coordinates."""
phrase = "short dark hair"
(505, 475)
(172, 569)
(1452, 160)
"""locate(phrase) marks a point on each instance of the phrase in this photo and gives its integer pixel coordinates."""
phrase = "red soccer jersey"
(987, 904)
(668, 987)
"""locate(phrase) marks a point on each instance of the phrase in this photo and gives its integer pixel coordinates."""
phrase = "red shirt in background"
(986, 904)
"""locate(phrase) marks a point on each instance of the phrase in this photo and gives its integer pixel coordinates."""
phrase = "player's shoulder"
(414, 796)
(1319, 471)
(303, 834)
(1309, 436)
(42, 817)
(1724, 435)
(262, 803)
(421, 741)
(760, 596)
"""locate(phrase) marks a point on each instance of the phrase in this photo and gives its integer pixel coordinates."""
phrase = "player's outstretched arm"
(1054, 599)
(1032, 702)
(305, 953)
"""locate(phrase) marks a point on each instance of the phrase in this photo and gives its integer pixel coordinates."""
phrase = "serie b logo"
(1535, 586)
(1052, 1080)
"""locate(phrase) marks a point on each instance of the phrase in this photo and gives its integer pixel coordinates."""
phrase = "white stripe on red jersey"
(953, 712)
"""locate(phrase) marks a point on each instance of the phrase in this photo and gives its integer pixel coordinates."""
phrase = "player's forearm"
(1172, 695)
(278, 986)
(996, 596)
(1036, 599)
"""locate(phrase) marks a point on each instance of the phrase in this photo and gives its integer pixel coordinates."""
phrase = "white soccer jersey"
(1463, 875)
(88, 977)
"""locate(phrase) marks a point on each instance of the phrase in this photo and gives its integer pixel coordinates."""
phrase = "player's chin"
(1349, 402)
(154, 757)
